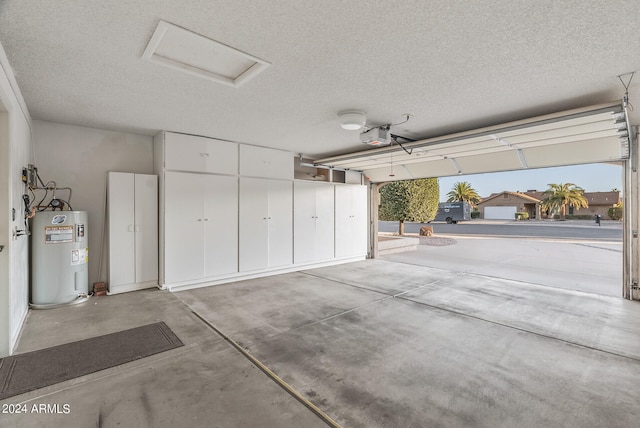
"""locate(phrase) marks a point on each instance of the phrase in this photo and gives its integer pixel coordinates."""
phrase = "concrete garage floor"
(373, 344)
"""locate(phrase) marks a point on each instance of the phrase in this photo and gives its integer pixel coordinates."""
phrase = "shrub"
(522, 216)
(475, 214)
(615, 213)
(580, 217)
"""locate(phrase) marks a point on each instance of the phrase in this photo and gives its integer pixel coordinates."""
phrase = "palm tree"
(463, 192)
(563, 195)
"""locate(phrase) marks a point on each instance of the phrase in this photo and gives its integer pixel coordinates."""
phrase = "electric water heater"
(59, 258)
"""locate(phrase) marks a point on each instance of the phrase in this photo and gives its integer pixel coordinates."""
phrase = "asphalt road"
(571, 229)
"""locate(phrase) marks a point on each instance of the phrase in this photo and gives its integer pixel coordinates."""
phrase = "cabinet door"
(200, 154)
(280, 223)
(146, 227)
(184, 237)
(324, 234)
(184, 152)
(221, 224)
(359, 210)
(221, 156)
(264, 162)
(253, 230)
(343, 221)
(304, 223)
(122, 265)
(351, 221)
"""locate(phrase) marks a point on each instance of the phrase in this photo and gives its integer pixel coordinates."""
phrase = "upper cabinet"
(199, 154)
(267, 163)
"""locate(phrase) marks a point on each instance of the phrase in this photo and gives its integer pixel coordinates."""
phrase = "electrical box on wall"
(32, 176)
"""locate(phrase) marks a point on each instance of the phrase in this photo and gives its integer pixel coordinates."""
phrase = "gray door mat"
(32, 370)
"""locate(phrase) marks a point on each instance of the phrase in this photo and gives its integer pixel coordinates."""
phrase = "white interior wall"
(80, 158)
(15, 147)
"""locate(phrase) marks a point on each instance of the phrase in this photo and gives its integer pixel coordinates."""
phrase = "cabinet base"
(207, 282)
(124, 288)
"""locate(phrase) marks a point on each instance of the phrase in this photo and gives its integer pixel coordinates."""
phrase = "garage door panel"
(500, 213)
(574, 153)
(489, 162)
(599, 136)
(437, 168)
(566, 133)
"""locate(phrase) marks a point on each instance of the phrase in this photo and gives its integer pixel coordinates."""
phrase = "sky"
(592, 178)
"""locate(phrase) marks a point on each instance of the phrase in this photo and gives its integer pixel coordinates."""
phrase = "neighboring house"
(505, 204)
(599, 203)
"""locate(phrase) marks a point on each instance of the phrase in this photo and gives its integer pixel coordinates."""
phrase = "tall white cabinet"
(351, 220)
(313, 222)
(133, 231)
(199, 207)
(201, 224)
(266, 226)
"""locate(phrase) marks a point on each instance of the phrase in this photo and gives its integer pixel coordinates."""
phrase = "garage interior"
(333, 335)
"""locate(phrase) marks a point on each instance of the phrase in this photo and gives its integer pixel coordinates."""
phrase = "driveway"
(583, 264)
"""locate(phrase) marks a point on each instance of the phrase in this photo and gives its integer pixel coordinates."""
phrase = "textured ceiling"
(454, 65)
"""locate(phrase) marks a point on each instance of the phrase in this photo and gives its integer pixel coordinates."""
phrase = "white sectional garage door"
(500, 213)
(587, 135)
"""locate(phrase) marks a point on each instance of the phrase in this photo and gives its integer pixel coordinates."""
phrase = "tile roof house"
(505, 204)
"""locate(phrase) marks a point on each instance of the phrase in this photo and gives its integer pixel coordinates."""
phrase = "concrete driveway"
(583, 264)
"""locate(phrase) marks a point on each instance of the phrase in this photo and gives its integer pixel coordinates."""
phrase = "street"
(570, 229)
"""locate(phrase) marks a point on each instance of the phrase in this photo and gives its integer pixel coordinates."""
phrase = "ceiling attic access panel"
(587, 135)
(183, 50)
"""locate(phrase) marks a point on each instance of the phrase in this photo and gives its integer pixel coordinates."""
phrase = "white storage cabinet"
(201, 223)
(133, 231)
(227, 213)
(351, 220)
(263, 162)
(313, 223)
(199, 154)
(266, 223)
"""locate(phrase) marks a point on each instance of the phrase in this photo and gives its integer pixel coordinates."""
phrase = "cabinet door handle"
(204, 155)
(199, 219)
(206, 219)
(136, 228)
(130, 228)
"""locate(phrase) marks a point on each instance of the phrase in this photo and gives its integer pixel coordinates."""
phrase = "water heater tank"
(59, 258)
